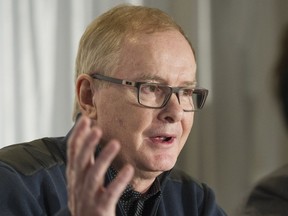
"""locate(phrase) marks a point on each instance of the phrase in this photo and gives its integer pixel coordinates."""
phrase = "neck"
(141, 185)
(141, 182)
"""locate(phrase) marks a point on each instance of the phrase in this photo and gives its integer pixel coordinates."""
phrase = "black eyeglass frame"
(203, 92)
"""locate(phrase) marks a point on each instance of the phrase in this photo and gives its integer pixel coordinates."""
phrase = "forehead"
(167, 55)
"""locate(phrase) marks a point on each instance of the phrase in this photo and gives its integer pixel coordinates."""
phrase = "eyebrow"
(149, 77)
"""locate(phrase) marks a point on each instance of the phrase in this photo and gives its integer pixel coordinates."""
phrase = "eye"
(150, 88)
(187, 92)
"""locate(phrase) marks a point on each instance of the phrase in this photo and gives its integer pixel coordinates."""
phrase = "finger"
(118, 185)
(74, 141)
(96, 173)
(79, 131)
(86, 152)
(78, 134)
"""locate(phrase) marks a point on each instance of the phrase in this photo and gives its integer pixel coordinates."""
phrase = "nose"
(172, 112)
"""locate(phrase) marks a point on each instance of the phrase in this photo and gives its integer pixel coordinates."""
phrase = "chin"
(164, 164)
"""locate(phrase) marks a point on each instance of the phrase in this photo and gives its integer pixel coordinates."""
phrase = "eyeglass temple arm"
(113, 80)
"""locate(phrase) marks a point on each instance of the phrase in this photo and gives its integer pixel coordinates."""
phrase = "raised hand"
(85, 174)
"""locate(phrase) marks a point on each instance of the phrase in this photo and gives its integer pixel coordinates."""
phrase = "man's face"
(151, 139)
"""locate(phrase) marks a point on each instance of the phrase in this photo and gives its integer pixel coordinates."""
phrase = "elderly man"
(136, 93)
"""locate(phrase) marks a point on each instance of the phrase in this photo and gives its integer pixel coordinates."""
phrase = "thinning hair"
(100, 45)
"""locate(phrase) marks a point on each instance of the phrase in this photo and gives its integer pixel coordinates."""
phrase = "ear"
(85, 89)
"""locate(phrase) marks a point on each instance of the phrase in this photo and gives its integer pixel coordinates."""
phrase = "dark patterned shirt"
(133, 202)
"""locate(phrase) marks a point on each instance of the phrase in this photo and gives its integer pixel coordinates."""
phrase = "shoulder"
(281, 173)
(275, 183)
(32, 178)
(270, 194)
(182, 183)
(183, 193)
(30, 157)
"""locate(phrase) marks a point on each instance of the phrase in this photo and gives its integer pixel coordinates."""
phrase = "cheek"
(133, 119)
(120, 119)
(190, 123)
(187, 124)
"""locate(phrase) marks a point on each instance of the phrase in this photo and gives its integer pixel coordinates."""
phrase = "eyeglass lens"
(154, 95)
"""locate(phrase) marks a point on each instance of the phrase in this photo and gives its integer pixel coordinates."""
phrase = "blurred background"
(238, 138)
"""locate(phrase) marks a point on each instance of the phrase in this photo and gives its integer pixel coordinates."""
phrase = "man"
(270, 195)
(131, 126)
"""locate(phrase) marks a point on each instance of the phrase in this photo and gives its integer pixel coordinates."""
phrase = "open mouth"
(162, 139)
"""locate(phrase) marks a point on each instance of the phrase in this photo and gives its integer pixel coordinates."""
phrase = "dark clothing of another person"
(270, 196)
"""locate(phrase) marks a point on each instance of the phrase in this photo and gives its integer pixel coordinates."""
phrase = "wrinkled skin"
(138, 148)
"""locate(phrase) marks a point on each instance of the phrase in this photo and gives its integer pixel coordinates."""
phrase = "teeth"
(164, 138)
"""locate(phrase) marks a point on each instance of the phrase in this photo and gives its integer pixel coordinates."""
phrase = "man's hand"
(85, 174)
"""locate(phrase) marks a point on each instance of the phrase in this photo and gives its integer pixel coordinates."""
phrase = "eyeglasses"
(155, 95)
